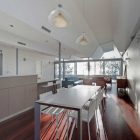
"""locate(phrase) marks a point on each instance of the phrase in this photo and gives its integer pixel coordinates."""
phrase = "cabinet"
(17, 94)
(122, 83)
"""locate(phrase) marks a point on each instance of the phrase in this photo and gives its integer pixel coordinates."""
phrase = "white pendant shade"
(82, 40)
(59, 18)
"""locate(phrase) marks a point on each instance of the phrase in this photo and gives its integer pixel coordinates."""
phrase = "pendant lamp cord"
(84, 13)
(59, 3)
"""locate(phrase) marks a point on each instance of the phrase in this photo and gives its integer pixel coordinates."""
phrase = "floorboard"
(119, 122)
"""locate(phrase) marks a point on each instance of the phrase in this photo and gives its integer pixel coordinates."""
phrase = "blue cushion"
(73, 78)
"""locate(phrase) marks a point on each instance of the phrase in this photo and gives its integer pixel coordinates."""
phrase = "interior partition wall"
(1, 62)
(83, 68)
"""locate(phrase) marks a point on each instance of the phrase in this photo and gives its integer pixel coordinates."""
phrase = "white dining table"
(73, 98)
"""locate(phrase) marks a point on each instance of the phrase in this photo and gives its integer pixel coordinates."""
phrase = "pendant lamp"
(59, 17)
(82, 40)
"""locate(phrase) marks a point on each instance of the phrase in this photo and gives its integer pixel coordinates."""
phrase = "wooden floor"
(119, 122)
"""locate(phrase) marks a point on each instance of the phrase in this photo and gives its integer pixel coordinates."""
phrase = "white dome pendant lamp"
(83, 39)
(59, 17)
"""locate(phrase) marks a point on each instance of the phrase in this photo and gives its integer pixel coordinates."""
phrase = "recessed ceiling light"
(11, 25)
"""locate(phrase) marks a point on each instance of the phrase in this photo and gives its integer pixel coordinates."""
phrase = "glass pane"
(116, 67)
(82, 68)
(92, 68)
(112, 67)
(99, 68)
(69, 68)
(57, 70)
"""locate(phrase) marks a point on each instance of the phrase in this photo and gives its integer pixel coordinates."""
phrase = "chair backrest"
(100, 96)
(50, 83)
(91, 110)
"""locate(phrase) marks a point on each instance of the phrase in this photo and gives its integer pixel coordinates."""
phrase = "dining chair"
(53, 111)
(88, 112)
(98, 97)
(100, 103)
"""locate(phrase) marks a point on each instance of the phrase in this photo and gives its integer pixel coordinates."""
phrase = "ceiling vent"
(46, 29)
(21, 43)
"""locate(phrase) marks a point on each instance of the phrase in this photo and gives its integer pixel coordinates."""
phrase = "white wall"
(27, 60)
(133, 70)
(9, 60)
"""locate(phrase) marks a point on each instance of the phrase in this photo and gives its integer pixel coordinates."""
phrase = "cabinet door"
(4, 104)
(16, 99)
(30, 95)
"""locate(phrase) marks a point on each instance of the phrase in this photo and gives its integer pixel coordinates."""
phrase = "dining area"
(80, 104)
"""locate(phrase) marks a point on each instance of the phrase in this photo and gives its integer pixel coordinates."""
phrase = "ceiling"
(104, 21)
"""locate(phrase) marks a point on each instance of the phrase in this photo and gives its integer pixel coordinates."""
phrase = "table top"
(74, 97)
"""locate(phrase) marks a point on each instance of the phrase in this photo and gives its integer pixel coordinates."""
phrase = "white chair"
(53, 111)
(88, 112)
(100, 99)
(98, 96)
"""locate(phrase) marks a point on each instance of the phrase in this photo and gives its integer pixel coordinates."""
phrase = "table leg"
(37, 122)
(79, 125)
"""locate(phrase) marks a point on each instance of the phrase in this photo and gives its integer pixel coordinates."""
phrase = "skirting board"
(13, 115)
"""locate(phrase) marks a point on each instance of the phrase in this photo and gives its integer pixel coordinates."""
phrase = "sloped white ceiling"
(98, 15)
(126, 15)
(104, 21)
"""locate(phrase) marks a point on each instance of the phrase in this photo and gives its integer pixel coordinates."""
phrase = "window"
(69, 69)
(82, 68)
(92, 68)
(98, 68)
(57, 70)
(112, 68)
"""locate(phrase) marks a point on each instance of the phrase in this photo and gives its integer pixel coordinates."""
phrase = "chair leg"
(57, 137)
(104, 104)
(89, 131)
(101, 108)
(76, 122)
(96, 128)
(96, 114)
(67, 125)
